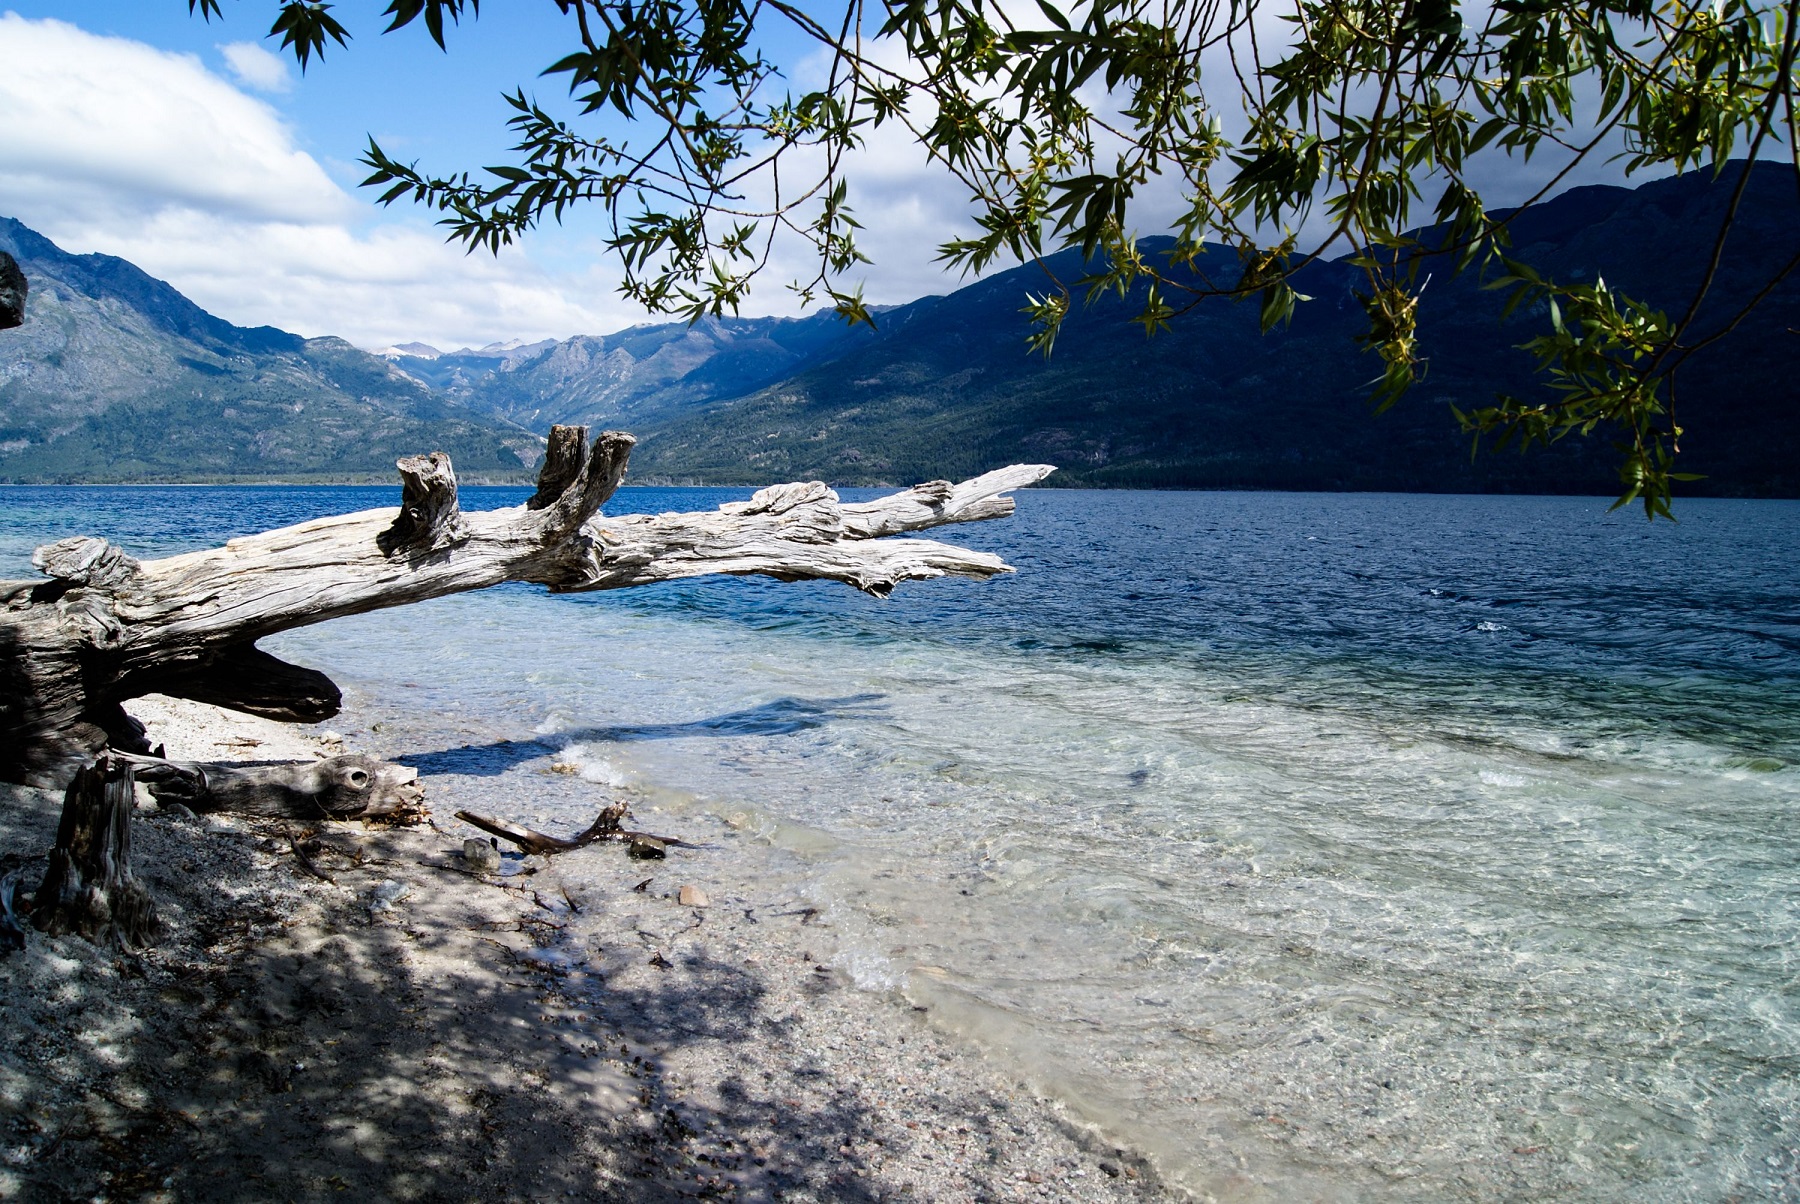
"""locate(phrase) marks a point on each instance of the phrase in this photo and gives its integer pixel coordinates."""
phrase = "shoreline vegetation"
(339, 1009)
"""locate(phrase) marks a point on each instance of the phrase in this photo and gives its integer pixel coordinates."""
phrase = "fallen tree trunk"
(348, 787)
(106, 628)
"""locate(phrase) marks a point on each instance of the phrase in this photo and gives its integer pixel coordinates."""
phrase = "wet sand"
(408, 1027)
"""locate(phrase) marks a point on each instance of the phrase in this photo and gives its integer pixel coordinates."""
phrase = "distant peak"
(418, 351)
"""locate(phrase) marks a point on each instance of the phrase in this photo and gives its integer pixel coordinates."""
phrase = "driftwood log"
(105, 628)
(347, 787)
(607, 827)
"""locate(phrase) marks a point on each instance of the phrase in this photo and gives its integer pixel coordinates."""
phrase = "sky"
(194, 150)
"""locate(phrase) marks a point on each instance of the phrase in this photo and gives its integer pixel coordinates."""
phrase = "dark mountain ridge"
(115, 376)
(947, 387)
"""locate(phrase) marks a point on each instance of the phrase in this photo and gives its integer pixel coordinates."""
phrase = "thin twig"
(306, 862)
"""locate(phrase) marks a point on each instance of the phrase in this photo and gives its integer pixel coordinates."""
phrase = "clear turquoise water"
(1350, 847)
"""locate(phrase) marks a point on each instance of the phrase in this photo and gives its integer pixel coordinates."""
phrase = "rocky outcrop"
(12, 293)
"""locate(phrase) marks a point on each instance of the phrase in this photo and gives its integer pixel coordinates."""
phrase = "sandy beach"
(379, 1019)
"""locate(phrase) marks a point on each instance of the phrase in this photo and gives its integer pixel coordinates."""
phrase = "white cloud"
(103, 123)
(908, 207)
(255, 67)
(114, 146)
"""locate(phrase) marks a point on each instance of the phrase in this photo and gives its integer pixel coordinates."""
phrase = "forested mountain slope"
(115, 376)
(947, 387)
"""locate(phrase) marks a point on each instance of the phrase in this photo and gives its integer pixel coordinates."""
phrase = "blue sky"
(130, 128)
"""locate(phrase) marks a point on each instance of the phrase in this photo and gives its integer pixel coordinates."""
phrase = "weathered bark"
(107, 628)
(88, 887)
(350, 787)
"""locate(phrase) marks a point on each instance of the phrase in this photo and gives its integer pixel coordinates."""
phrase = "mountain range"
(945, 388)
(638, 378)
(116, 376)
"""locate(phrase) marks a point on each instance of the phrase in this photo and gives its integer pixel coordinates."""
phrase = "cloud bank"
(114, 146)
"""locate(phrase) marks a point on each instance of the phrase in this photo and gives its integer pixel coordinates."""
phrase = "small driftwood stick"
(525, 838)
(301, 855)
(88, 887)
(604, 828)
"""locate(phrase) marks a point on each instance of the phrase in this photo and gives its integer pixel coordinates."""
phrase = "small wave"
(870, 971)
(594, 767)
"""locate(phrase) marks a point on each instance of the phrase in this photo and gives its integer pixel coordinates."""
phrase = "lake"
(1349, 847)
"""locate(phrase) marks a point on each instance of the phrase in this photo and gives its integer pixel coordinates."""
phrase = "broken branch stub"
(106, 627)
(88, 887)
(430, 515)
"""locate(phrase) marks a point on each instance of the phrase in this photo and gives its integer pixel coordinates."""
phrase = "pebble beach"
(341, 1012)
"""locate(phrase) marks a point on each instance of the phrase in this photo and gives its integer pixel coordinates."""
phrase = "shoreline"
(411, 1029)
(655, 481)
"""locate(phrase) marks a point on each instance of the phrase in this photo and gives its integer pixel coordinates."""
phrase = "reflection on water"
(1356, 847)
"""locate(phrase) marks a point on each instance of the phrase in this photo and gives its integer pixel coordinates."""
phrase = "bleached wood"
(346, 787)
(107, 627)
